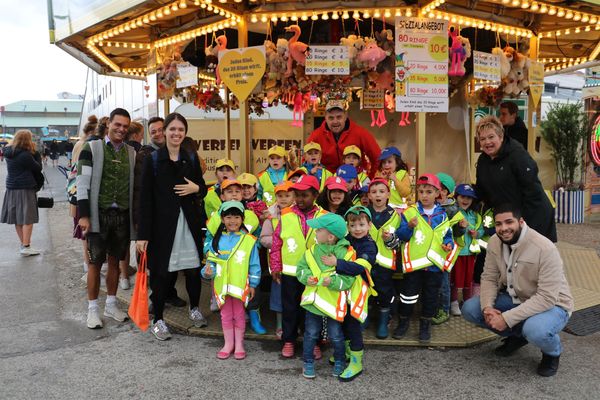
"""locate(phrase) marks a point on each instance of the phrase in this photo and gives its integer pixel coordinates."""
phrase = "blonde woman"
(24, 167)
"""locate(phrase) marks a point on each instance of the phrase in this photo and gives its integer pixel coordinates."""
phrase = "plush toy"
(458, 53)
(221, 46)
(355, 45)
(372, 55)
(516, 80)
(297, 50)
(385, 40)
(504, 61)
(211, 59)
(525, 63)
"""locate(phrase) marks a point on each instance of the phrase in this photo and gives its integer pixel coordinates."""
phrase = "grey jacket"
(538, 277)
(88, 183)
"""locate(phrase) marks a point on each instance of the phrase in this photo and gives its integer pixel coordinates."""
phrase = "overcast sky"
(30, 67)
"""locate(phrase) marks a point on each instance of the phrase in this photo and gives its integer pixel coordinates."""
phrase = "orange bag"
(138, 309)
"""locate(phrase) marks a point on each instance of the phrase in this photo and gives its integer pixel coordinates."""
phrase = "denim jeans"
(541, 329)
(313, 325)
(444, 299)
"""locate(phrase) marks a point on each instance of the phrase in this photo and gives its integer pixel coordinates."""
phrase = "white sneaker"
(28, 251)
(198, 318)
(124, 283)
(160, 330)
(455, 308)
(112, 311)
(93, 318)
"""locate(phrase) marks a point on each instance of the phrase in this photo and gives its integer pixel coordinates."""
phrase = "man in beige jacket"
(524, 293)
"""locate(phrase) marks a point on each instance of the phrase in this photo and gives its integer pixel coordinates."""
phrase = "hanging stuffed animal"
(372, 55)
(297, 50)
(504, 61)
(221, 46)
(458, 54)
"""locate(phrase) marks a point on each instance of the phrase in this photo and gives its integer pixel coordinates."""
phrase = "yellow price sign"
(242, 69)
(438, 48)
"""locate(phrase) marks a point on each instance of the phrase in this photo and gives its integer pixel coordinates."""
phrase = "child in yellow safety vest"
(234, 265)
(285, 198)
(292, 237)
(427, 249)
(384, 220)
(358, 219)
(353, 156)
(325, 294)
(462, 274)
(395, 170)
(312, 163)
(224, 169)
(273, 175)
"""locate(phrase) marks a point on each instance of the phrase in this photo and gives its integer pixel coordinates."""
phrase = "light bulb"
(355, 15)
(569, 14)
(366, 14)
(377, 14)
(387, 14)
(335, 15)
(325, 16)
(345, 15)
(585, 18)
(560, 13)
(543, 9)
(552, 11)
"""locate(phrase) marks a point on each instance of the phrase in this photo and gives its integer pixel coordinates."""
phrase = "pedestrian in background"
(24, 167)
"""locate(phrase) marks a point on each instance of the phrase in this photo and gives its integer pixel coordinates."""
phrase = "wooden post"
(245, 159)
(420, 143)
(227, 125)
(531, 108)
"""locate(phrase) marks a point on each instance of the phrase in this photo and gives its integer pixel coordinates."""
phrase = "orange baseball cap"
(229, 182)
(284, 186)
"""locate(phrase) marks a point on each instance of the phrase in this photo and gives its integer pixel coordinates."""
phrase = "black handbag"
(45, 200)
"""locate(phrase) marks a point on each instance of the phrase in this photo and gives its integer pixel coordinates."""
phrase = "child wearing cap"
(325, 292)
(285, 198)
(384, 220)
(273, 175)
(358, 219)
(224, 169)
(334, 197)
(292, 237)
(349, 174)
(295, 174)
(449, 205)
(395, 170)
(312, 163)
(428, 248)
(462, 273)
(363, 197)
(234, 265)
(353, 156)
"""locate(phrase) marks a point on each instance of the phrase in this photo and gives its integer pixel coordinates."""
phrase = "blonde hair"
(23, 140)
(490, 122)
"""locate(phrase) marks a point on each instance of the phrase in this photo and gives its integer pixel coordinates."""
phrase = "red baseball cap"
(306, 182)
(379, 181)
(430, 179)
(335, 182)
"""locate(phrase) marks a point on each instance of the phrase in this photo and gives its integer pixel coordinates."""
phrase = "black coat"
(517, 131)
(24, 168)
(512, 177)
(159, 205)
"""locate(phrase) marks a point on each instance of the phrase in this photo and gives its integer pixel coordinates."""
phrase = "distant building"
(47, 119)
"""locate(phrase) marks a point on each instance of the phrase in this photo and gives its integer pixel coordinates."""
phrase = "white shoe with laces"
(124, 283)
(160, 330)
(93, 318)
(455, 309)
(112, 311)
(198, 319)
(27, 251)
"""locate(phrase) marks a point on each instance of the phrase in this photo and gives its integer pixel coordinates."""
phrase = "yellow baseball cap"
(312, 146)
(224, 162)
(352, 149)
(276, 151)
(247, 179)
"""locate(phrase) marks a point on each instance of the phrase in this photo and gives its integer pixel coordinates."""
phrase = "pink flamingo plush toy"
(296, 49)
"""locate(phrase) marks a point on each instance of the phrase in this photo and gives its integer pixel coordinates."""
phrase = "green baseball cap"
(231, 204)
(334, 223)
(358, 210)
(447, 181)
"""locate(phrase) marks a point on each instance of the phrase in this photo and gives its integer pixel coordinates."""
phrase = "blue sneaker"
(338, 368)
(308, 371)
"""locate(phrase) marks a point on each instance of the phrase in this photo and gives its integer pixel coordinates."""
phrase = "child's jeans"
(384, 285)
(312, 330)
(353, 332)
(444, 302)
(427, 283)
(233, 314)
(275, 299)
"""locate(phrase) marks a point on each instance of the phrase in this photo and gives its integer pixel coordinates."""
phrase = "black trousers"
(427, 284)
(479, 261)
(353, 332)
(162, 284)
(293, 314)
(384, 285)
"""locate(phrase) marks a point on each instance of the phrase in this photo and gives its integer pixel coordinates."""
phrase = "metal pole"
(420, 144)
(245, 160)
(227, 125)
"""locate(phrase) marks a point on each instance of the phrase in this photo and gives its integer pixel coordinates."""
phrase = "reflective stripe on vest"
(268, 193)
(250, 222)
(360, 292)
(385, 257)
(231, 277)
(212, 202)
(293, 242)
(332, 303)
(396, 201)
(362, 177)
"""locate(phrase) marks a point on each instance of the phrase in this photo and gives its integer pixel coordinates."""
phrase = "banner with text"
(421, 65)
(242, 69)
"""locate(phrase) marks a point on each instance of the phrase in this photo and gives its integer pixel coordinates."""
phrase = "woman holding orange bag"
(171, 221)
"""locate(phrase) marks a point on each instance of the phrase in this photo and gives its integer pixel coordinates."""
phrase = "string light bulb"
(387, 14)
(355, 15)
(325, 16)
(366, 14)
(335, 15)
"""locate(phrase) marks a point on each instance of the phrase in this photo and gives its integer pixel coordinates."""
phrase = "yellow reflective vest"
(385, 257)
(212, 202)
(251, 222)
(360, 292)
(268, 193)
(488, 221)
(396, 201)
(330, 302)
(231, 277)
(424, 248)
(294, 244)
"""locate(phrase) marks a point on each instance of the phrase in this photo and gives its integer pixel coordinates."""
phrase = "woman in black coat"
(506, 173)
(171, 221)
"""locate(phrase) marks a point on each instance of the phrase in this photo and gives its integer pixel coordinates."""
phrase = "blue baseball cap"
(347, 172)
(465, 190)
(388, 152)
(364, 189)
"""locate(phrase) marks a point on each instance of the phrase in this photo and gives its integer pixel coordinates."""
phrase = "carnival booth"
(417, 74)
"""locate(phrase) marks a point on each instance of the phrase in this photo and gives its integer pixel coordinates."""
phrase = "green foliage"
(565, 130)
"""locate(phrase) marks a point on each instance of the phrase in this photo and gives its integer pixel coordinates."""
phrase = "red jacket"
(353, 134)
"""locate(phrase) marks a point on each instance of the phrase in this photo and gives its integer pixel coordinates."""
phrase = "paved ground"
(46, 351)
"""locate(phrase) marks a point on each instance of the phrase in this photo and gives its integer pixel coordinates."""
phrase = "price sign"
(327, 60)
(421, 64)
(373, 99)
(486, 66)
(188, 75)
(536, 81)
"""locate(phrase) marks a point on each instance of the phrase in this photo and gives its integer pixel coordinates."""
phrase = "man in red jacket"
(337, 132)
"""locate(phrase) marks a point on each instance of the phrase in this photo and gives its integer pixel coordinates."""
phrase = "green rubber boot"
(347, 347)
(353, 369)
